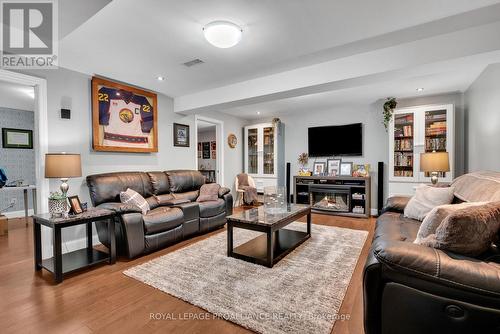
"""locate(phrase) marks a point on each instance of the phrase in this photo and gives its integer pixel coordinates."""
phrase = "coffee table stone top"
(259, 216)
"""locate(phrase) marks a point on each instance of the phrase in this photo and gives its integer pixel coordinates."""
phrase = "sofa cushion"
(469, 231)
(185, 180)
(189, 195)
(427, 198)
(107, 187)
(208, 192)
(481, 186)
(437, 215)
(394, 226)
(132, 197)
(159, 182)
(212, 208)
(162, 219)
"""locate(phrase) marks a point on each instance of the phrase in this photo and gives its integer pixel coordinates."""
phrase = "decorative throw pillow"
(469, 231)
(425, 199)
(208, 192)
(437, 215)
(134, 198)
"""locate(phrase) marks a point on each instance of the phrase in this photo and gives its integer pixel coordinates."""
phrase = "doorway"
(38, 87)
(209, 148)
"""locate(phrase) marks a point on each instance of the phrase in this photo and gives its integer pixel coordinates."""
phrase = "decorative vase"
(275, 200)
(57, 207)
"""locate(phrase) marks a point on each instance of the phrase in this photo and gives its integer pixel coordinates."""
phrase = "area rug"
(301, 294)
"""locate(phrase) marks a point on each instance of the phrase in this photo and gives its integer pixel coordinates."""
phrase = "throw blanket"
(250, 194)
(483, 186)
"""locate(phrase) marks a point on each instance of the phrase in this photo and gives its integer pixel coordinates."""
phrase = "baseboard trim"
(17, 214)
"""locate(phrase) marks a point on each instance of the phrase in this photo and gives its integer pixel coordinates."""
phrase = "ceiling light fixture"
(222, 34)
(258, 112)
(420, 89)
(160, 78)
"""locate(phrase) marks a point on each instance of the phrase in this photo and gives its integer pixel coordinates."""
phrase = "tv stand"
(334, 195)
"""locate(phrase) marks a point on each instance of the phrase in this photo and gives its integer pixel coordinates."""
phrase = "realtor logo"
(29, 34)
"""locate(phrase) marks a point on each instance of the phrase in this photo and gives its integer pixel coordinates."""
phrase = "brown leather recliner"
(174, 216)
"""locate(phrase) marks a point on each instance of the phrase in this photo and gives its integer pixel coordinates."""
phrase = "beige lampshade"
(434, 162)
(62, 165)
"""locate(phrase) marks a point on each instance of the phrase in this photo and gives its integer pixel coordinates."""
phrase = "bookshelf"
(413, 131)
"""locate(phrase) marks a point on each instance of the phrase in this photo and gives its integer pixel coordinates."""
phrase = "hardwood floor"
(102, 299)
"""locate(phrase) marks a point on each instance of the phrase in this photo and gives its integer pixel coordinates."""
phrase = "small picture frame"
(333, 167)
(75, 205)
(346, 169)
(213, 145)
(181, 135)
(17, 138)
(214, 155)
(319, 168)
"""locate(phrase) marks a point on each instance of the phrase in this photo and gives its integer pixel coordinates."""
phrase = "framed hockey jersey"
(124, 118)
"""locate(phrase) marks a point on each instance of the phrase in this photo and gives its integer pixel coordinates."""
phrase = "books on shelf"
(403, 173)
(403, 159)
(436, 128)
(404, 131)
(435, 144)
(403, 144)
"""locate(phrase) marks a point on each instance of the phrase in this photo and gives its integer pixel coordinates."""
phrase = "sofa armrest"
(404, 259)
(223, 191)
(228, 199)
(132, 228)
(396, 204)
(120, 207)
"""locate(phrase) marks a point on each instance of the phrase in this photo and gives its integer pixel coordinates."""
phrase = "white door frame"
(219, 135)
(41, 141)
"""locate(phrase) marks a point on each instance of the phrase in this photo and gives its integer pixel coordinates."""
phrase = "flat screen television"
(326, 141)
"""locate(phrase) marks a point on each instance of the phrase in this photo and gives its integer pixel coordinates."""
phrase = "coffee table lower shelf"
(255, 250)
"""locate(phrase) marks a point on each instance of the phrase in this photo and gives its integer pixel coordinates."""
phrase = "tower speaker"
(288, 167)
(380, 190)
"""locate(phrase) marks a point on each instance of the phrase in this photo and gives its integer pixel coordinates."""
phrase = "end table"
(60, 264)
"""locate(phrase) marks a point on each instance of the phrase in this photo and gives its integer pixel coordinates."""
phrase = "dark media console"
(334, 195)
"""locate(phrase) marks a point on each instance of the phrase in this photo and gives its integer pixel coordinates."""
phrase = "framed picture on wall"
(181, 135)
(124, 118)
(213, 145)
(17, 138)
(214, 155)
(199, 147)
(206, 150)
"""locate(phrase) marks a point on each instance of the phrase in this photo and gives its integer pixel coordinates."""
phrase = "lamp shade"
(434, 162)
(62, 165)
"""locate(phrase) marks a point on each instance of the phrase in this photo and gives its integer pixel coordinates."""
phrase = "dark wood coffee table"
(276, 243)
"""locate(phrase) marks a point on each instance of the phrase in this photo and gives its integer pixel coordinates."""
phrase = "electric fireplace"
(329, 198)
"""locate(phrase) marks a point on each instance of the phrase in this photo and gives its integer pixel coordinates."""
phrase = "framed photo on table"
(346, 168)
(75, 205)
(319, 168)
(333, 167)
(17, 138)
(124, 118)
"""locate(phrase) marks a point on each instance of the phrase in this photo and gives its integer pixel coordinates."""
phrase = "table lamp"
(63, 166)
(434, 162)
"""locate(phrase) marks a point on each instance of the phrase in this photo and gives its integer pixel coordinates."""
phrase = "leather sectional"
(174, 216)
(410, 288)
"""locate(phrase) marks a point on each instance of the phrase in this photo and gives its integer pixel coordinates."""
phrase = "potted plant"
(389, 107)
(57, 204)
(303, 160)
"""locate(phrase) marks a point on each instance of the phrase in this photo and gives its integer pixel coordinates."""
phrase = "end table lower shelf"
(77, 260)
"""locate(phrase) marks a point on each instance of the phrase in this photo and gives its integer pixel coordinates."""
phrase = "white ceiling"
(17, 96)
(136, 43)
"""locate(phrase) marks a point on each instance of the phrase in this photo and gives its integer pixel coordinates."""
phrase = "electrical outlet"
(13, 201)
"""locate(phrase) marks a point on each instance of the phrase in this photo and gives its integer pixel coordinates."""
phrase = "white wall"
(482, 110)
(69, 89)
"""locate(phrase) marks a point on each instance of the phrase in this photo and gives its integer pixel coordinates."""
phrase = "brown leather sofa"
(175, 215)
(410, 288)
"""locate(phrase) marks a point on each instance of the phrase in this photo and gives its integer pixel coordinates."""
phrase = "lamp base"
(64, 186)
(434, 178)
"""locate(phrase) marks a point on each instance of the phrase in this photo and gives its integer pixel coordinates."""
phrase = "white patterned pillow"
(427, 198)
(132, 197)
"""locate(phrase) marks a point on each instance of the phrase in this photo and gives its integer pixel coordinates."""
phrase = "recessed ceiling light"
(258, 112)
(160, 78)
(420, 89)
(222, 34)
